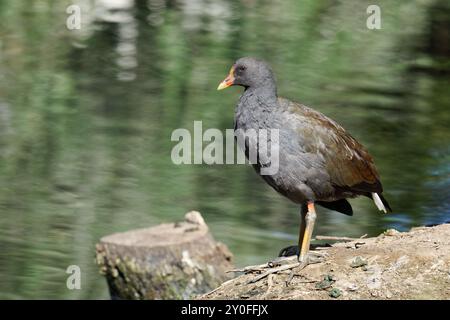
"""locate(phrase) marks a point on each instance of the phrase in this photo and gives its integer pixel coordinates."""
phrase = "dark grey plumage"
(319, 161)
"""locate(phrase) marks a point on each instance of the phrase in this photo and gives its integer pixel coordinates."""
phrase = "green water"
(86, 117)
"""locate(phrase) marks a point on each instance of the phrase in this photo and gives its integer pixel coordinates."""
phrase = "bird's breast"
(251, 113)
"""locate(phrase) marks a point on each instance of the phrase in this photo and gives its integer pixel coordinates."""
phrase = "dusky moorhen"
(319, 162)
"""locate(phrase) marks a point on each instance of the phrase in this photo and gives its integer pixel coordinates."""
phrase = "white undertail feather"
(378, 202)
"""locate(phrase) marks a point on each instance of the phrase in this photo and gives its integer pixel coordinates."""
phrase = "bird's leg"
(304, 256)
(308, 220)
(302, 229)
(304, 239)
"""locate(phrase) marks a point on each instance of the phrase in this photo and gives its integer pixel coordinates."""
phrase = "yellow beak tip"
(228, 81)
(222, 86)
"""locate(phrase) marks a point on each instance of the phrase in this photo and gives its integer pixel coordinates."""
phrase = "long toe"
(279, 261)
(316, 257)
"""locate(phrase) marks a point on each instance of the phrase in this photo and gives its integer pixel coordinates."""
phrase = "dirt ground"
(394, 265)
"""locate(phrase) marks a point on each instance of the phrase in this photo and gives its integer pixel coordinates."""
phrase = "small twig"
(255, 268)
(274, 270)
(283, 268)
(269, 283)
(359, 244)
(219, 287)
(245, 270)
(292, 275)
(337, 238)
(262, 267)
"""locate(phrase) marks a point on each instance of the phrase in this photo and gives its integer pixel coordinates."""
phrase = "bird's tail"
(381, 202)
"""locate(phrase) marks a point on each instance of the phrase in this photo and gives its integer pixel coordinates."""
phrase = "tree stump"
(170, 261)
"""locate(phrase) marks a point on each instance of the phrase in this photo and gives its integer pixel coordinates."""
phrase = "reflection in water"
(86, 118)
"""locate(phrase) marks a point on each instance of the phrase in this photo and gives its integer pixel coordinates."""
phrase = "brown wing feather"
(347, 162)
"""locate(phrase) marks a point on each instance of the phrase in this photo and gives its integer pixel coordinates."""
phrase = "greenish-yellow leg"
(306, 230)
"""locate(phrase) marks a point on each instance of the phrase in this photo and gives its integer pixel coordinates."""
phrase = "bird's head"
(249, 73)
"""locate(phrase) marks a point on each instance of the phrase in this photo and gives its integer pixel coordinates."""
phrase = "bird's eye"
(242, 68)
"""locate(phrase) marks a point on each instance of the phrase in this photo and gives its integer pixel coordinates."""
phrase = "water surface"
(86, 118)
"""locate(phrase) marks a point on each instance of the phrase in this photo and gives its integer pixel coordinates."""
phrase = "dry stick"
(219, 287)
(274, 270)
(282, 268)
(259, 267)
(291, 276)
(245, 270)
(269, 283)
(338, 238)
(262, 267)
(322, 248)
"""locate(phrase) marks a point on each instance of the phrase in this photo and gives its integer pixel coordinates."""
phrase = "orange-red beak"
(228, 81)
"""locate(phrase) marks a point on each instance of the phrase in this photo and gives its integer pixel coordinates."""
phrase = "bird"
(319, 161)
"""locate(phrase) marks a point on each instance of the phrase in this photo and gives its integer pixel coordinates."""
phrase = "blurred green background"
(86, 117)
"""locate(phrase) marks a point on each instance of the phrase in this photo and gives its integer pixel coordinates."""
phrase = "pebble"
(327, 282)
(335, 293)
(358, 262)
(391, 232)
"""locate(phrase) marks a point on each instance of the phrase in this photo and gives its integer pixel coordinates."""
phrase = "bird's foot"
(312, 257)
(281, 264)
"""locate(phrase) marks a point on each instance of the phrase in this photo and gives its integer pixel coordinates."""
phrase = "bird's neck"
(267, 92)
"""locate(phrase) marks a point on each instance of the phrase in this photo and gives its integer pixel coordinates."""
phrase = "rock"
(335, 293)
(391, 232)
(358, 262)
(327, 282)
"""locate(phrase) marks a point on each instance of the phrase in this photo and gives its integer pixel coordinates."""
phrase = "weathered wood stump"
(169, 261)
